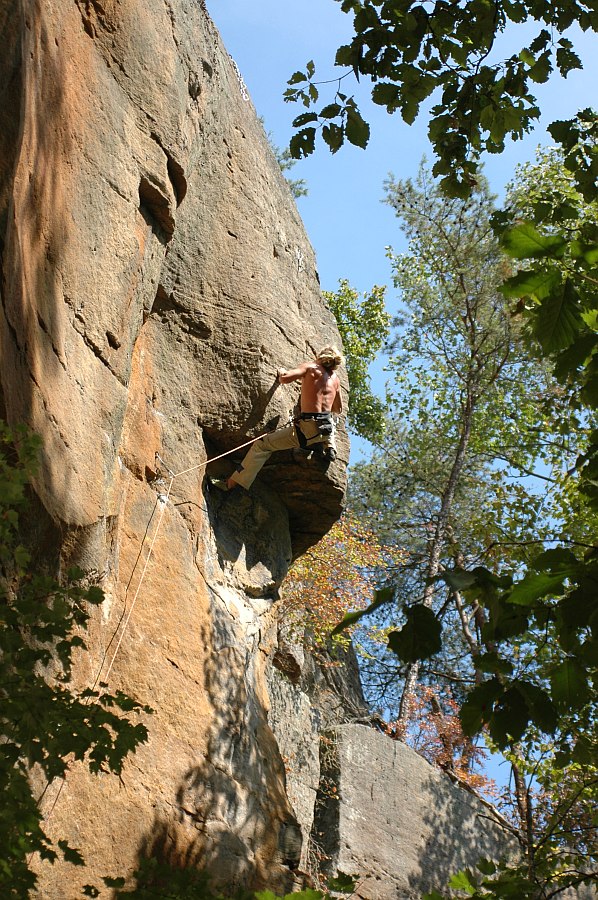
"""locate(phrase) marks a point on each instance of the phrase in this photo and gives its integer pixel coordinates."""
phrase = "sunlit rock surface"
(387, 815)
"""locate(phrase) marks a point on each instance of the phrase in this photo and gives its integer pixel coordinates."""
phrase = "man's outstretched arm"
(286, 376)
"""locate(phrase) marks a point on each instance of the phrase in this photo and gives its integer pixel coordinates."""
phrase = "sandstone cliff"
(155, 273)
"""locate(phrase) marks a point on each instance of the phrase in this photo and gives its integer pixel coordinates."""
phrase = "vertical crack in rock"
(176, 173)
(325, 835)
(155, 209)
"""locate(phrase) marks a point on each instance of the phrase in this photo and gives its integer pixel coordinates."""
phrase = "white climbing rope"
(162, 499)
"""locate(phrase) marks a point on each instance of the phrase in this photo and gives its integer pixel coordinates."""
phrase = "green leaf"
(557, 559)
(334, 136)
(525, 242)
(590, 317)
(382, 596)
(541, 708)
(590, 255)
(459, 579)
(388, 95)
(419, 638)
(510, 717)
(345, 884)
(557, 320)
(356, 129)
(567, 59)
(535, 586)
(492, 663)
(304, 119)
(569, 684)
(330, 111)
(537, 283)
(297, 78)
(541, 69)
(462, 881)
(305, 894)
(486, 866)
(302, 143)
(479, 705)
(527, 57)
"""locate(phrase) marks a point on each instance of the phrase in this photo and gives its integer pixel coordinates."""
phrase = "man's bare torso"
(318, 389)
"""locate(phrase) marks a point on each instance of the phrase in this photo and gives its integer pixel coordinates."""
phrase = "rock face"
(154, 275)
(388, 815)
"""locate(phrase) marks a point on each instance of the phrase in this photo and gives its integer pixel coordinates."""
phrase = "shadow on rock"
(459, 830)
(252, 533)
(231, 814)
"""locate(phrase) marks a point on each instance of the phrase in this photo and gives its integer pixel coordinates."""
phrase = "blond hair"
(330, 357)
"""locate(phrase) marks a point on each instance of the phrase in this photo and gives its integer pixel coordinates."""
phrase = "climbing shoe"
(325, 454)
(220, 483)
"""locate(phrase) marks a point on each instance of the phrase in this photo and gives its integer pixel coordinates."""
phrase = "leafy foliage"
(286, 162)
(338, 573)
(298, 186)
(526, 615)
(434, 730)
(557, 289)
(43, 721)
(469, 425)
(412, 53)
(364, 325)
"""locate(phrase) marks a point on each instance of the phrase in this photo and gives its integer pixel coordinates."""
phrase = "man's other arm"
(337, 403)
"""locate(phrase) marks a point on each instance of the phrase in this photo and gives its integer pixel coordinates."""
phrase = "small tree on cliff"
(338, 574)
(44, 723)
(364, 326)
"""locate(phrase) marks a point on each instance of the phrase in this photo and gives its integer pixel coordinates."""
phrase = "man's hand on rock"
(280, 373)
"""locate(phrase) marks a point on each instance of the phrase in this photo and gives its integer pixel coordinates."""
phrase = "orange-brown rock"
(154, 275)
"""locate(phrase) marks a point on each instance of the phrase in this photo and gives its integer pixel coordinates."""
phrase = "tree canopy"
(445, 52)
(364, 326)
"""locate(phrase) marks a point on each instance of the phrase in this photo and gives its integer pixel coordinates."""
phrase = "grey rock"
(386, 814)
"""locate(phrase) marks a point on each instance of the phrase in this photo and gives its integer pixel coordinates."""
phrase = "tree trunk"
(437, 543)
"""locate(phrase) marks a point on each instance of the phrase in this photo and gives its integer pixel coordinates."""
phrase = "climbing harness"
(322, 429)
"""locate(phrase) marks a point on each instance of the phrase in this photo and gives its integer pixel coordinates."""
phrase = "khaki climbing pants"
(283, 439)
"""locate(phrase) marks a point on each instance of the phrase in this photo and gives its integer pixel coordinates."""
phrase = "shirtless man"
(320, 397)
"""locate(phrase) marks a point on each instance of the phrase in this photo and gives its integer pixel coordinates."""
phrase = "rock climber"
(313, 428)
